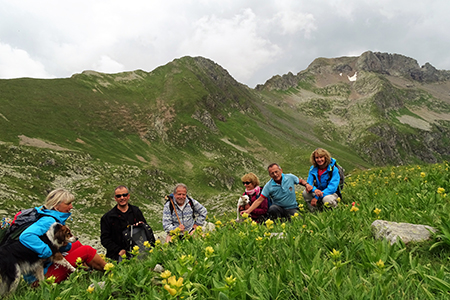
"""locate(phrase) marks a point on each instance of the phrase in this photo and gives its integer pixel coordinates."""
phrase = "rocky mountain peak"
(383, 63)
(400, 66)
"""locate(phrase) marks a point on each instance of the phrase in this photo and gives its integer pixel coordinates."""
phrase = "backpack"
(341, 180)
(22, 220)
(137, 235)
(191, 203)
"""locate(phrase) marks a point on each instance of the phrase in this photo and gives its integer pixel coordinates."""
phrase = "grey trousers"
(330, 199)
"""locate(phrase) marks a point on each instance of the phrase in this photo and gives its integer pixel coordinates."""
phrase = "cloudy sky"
(253, 39)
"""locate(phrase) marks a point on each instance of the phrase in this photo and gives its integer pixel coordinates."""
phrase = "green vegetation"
(327, 255)
(189, 121)
(341, 89)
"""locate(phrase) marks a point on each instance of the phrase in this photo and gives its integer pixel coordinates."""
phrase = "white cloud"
(234, 43)
(107, 65)
(253, 40)
(16, 63)
(293, 22)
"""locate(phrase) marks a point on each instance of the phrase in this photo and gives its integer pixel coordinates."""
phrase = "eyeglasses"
(121, 195)
(246, 182)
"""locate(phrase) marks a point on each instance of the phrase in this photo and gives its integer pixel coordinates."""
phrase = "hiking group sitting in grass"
(182, 214)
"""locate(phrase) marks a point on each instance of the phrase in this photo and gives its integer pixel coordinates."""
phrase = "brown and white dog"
(16, 259)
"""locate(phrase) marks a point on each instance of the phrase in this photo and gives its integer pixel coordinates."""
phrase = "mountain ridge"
(190, 121)
(388, 89)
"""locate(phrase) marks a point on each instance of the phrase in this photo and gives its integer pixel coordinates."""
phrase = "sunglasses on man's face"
(121, 195)
(245, 182)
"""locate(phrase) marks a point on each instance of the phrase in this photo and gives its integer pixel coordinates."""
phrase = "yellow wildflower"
(171, 291)
(283, 225)
(377, 211)
(304, 226)
(354, 208)
(51, 279)
(209, 251)
(441, 190)
(269, 223)
(254, 224)
(166, 274)
(218, 224)
(380, 264)
(184, 259)
(90, 289)
(259, 238)
(245, 215)
(230, 280)
(79, 262)
(199, 230)
(338, 199)
(422, 174)
(135, 250)
(266, 233)
(175, 231)
(174, 282)
(147, 244)
(335, 254)
(108, 266)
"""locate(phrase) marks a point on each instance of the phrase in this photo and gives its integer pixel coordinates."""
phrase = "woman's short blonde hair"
(58, 196)
(321, 153)
(251, 178)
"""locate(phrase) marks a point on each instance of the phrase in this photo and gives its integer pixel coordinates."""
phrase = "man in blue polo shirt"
(281, 189)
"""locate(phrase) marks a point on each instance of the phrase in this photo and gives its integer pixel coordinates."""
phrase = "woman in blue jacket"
(323, 181)
(57, 209)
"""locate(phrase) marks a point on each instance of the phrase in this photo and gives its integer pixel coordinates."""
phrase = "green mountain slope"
(190, 121)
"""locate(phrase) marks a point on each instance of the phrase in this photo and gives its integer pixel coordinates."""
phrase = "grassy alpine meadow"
(326, 255)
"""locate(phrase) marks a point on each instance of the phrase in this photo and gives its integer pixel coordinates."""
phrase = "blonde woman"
(253, 191)
(57, 209)
(323, 181)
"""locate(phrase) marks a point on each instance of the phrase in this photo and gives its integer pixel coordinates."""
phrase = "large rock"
(393, 231)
